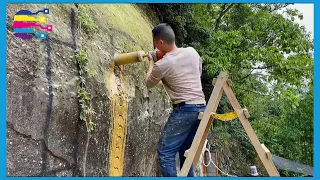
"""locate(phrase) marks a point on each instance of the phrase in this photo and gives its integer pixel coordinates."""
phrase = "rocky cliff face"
(45, 134)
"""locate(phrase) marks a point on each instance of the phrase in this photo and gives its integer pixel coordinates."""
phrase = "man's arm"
(153, 75)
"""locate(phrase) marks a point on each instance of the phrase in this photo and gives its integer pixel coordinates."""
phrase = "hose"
(211, 161)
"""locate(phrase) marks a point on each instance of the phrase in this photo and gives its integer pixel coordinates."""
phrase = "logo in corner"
(25, 22)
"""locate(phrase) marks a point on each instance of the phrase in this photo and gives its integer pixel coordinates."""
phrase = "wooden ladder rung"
(246, 113)
(201, 115)
(186, 153)
(266, 150)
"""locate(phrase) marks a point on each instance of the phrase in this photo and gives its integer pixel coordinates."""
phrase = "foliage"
(174, 15)
(85, 21)
(81, 59)
(269, 59)
(289, 132)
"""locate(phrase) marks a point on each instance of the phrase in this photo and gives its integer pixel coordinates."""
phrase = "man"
(180, 71)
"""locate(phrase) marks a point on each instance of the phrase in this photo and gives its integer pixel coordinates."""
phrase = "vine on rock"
(81, 60)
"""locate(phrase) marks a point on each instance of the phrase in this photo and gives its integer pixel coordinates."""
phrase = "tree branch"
(263, 67)
(250, 74)
(258, 93)
(223, 11)
(271, 35)
(246, 75)
(228, 8)
(259, 67)
(159, 14)
(220, 17)
(267, 40)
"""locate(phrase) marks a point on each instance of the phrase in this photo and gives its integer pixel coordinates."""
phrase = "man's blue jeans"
(177, 136)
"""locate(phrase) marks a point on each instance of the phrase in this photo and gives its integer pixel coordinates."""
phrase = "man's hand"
(150, 57)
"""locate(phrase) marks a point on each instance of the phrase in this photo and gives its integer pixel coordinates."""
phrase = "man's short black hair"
(164, 32)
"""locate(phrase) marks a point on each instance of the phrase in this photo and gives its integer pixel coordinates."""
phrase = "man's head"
(163, 37)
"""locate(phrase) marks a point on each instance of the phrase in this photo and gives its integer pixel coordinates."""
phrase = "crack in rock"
(45, 147)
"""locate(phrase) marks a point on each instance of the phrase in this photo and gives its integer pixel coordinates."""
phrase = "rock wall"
(45, 135)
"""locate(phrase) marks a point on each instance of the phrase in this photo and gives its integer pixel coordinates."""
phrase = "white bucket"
(253, 171)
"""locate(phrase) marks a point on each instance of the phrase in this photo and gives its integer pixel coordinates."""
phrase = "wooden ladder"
(222, 84)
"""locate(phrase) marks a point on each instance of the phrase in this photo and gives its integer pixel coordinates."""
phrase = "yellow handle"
(226, 117)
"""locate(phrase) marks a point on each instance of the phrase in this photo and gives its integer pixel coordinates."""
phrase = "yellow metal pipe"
(129, 58)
